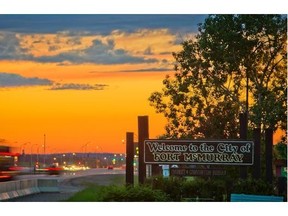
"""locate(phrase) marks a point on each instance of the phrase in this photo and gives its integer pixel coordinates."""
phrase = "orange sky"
(71, 118)
(130, 62)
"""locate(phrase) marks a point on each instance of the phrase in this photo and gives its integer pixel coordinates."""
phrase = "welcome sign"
(222, 152)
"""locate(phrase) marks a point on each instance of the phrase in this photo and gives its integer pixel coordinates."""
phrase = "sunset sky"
(82, 79)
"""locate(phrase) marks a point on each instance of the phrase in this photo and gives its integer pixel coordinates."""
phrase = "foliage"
(253, 46)
(280, 149)
(208, 189)
(114, 193)
(171, 186)
(205, 96)
(160, 189)
(252, 186)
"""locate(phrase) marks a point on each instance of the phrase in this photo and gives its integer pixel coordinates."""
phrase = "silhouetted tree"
(205, 96)
(280, 149)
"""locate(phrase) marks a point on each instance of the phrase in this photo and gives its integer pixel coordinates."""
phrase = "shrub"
(252, 186)
(119, 194)
(161, 189)
(171, 186)
(209, 189)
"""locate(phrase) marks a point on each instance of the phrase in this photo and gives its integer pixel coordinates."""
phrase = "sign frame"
(180, 146)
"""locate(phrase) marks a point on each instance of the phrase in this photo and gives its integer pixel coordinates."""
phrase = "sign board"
(197, 172)
(165, 171)
(224, 152)
(255, 198)
(284, 172)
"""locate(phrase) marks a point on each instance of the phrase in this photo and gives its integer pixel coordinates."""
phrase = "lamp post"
(84, 149)
(31, 154)
(63, 159)
(97, 156)
(38, 154)
(44, 151)
(106, 163)
(73, 158)
(22, 148)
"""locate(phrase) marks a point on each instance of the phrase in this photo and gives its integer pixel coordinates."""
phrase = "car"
(110, 167)
(54, 170)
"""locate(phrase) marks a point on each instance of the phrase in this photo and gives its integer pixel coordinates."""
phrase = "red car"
(110, 167)
(54, 170)
(8, 169)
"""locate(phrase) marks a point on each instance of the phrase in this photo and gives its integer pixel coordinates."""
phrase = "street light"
(23, 145)
(31, 154)
(62, 159)
(84, 152)
(38, 154)
(97, 155)
(73, 158)
(106, 163)
(22, 150)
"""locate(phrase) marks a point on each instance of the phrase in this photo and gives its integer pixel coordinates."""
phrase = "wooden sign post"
(243, 135)
(129, 158)
(268, 149)
(143, 133)
(257, 154)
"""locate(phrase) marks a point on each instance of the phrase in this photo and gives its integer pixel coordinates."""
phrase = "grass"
(115, 191)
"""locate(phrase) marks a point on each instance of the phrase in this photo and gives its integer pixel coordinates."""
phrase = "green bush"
(134, 194)
(206, 189)
(171, 186)
(181, 189)
(119, 194)
(175, 189)
(252, 186)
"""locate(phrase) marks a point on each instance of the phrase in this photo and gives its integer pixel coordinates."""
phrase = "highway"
(74, 174)
(72, 182)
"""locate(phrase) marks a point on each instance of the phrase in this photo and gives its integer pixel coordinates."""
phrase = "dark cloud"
(9, 46)
(99, 52)
(75, 86)
(136, 70)
(98, 23)
(148, 70)
(15, 80)
(14, 26)
(148, 51)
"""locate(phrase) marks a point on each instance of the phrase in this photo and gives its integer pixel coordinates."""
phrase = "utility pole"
(44, 148)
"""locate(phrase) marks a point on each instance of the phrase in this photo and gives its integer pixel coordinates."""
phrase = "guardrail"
(13, 189)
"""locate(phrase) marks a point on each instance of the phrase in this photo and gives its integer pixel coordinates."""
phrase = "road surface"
(70, 183)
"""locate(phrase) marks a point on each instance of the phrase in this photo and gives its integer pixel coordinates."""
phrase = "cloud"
(98, 23)
(68, 50)
(75, 86)
(99, 52)
(96, 39)
(148, 70)
(10, 46)
(15, 80)
(2, 140)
